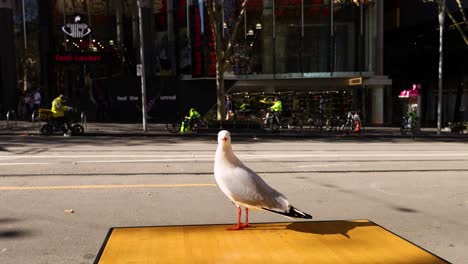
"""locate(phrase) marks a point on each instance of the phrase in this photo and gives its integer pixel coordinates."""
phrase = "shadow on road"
(12, 233)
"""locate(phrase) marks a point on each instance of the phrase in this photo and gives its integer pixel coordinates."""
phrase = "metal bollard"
(84, 120)
(34, 118)
(10, 114)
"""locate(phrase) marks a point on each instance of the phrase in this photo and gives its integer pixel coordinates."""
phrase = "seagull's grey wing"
(248, 188)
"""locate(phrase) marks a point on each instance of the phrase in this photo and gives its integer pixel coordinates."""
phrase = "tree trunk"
(214, 13)
(220, 89)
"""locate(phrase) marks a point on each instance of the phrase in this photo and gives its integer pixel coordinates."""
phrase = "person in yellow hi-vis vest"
(277, 106)
(189, 120)
(58, 111)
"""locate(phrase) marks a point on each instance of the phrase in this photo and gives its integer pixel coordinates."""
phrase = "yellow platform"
(358, 241)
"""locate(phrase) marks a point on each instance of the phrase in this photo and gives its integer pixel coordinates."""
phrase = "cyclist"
(58, 112)
(411, 117)
(274, 115)
(277, 106)
(188, 122)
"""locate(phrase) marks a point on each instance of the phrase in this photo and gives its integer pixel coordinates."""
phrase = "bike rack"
(10, 114)
(34, 118)
(84, 120)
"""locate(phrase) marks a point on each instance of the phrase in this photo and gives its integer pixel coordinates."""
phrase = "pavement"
(24, 128)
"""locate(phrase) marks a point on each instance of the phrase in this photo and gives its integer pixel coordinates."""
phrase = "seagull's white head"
(224, 138)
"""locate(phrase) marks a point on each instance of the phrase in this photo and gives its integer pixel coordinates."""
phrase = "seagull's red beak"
(224, 139)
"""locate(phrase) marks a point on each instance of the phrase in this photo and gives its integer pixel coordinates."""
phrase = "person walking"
(37, 100)
(229, 107)
(28, 105)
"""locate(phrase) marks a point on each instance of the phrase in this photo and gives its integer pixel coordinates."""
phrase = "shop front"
(309, 97)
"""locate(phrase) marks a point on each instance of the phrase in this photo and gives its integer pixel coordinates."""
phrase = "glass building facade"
(89, 50)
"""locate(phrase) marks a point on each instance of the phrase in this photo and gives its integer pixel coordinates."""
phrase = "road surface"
(416, 189)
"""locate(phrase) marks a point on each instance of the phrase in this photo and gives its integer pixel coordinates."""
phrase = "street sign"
(139, 70)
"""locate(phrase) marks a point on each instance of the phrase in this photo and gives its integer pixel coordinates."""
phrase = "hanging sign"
(139, 70)
(77, 29)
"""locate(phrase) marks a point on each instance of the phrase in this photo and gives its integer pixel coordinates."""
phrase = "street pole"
(441, 42)
(25, 38)
(142, 60)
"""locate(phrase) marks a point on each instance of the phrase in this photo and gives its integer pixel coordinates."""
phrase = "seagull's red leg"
(238, 226)
(246, 224)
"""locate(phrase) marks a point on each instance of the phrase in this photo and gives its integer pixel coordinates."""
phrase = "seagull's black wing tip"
(293, 212)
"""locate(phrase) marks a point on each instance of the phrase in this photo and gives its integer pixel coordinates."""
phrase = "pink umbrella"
(415, 92)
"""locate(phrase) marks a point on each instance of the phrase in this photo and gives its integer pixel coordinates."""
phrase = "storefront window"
(288, 39)
(163, 60)
(246, 55)
(26, 29)
(369, 35)
(183, 49)
(87, 48)
(346, 31)
(316, 55)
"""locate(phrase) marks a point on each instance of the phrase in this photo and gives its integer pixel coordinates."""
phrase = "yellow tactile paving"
(358, 241)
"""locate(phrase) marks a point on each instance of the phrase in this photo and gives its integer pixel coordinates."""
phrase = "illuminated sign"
(77, 29)
(78, 58)
(355, 81)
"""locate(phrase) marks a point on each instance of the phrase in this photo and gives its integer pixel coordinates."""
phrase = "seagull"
(245, 188)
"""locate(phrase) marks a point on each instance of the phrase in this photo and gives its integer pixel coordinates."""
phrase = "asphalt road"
(416, 189)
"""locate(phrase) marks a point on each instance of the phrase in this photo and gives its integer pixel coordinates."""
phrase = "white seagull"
(245, 188)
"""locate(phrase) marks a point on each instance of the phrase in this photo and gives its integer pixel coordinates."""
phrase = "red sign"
(78, 58)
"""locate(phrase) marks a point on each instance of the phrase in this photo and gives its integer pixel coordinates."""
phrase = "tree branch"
(234, 31)
(456, 25)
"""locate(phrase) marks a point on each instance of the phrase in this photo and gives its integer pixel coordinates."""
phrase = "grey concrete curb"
(158, 130)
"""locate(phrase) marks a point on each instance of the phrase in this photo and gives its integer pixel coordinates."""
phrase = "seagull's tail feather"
(293, 212)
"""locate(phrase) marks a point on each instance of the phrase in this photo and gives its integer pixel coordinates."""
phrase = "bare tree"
(442, 8)
(222, 44)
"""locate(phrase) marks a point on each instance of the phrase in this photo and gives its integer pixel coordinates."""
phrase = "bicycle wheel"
(47, 130)
(414, 129)
(173, 127)
(318, 124)
(77, 129)
(275, 126)
(403, 129)
(347, 129)
(199, 124)
(271, 125)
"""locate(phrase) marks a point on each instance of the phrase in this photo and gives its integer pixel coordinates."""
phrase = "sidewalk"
(23, 128)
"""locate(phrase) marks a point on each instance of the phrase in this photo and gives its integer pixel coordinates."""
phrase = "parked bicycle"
(294, 122)
(174, 126)
(316, 122)
(272, 121)
(333, 123)
(351, 123)
(408, 124)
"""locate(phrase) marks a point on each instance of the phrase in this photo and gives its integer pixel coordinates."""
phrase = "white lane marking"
(203, 157)
(327, 165)
(266, 155)
(25, 163)
(108, 186)
(136, 161)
